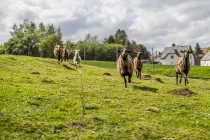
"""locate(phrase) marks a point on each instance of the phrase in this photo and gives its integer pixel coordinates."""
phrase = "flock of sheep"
(62, 53)
(126, 64)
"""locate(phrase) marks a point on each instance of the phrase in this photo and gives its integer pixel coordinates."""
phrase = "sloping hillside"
(40, 99)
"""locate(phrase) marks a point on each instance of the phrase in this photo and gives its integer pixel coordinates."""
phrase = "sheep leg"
(140, 74)
(76, 65)
(137, 73)
(177, 78)
(125, 81)
(180, 79)
(129, 78)
(58, 60)
(185, 77)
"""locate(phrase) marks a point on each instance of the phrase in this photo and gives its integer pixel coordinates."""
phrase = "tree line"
(39, 41)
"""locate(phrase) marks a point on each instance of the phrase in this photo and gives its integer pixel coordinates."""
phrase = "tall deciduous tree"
(110, 39)
(143, 50)
(26, 38)
(120, 37)
(70, 45)
(48, 43)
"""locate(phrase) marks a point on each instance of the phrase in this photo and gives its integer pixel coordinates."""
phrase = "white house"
(171, 54)
(205, 61)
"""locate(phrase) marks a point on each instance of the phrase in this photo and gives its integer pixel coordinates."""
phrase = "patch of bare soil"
(146, 76)
(78, 125)
(182, 91)
(106, 73)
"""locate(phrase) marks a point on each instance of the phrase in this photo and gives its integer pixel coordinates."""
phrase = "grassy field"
(40, 99)
(167, 70)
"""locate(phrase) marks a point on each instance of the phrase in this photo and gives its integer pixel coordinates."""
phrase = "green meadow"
(167, 70)
(41, 99)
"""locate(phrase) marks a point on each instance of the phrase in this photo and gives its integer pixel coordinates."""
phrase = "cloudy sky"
(155, 23)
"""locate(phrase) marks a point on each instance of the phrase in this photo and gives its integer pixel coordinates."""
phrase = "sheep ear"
(129, 51)
(182, 51)
(119, 51)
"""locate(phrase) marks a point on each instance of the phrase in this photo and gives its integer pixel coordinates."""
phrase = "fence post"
(85, 53)
(152, 62)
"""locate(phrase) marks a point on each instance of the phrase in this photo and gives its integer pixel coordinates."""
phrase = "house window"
(172, 57)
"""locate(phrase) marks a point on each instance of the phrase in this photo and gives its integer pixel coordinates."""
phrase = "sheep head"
(139, 55)
(76, 52)
(186, 53)
(124, 53)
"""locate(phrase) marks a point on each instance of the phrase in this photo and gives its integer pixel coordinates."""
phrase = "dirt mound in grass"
(182, 91)
(146, 76)
(35, 72)
(78, 125)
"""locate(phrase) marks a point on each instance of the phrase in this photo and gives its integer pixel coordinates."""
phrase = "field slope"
(40, 99)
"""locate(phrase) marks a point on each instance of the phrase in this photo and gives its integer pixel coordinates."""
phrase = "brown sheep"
(58, 52)
(182, 66)
(65, 53)
(138, 65)
(125, 65)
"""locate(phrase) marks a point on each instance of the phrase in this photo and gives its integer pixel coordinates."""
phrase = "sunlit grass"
(40, 99)
(168, 70)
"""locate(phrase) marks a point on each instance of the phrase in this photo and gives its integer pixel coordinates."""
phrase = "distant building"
(171, 54)
(157, 57)
(205, 61)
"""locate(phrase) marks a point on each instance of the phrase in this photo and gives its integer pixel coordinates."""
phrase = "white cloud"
(156, 24)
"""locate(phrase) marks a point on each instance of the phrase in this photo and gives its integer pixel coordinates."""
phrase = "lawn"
(41, 99)
(167, 70)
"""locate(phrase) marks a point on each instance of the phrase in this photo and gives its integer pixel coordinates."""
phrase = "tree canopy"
(28, 39)
(39, 40)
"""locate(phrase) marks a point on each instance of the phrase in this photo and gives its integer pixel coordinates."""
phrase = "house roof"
(206, 56)
(174, 50)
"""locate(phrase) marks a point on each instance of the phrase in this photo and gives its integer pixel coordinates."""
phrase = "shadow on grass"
(67, 67)
(159, 80)
(72, 64)
(145, 88)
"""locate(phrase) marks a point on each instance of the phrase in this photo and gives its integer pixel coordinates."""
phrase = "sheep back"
(138, 65)
(58, 51)
(182, 66)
